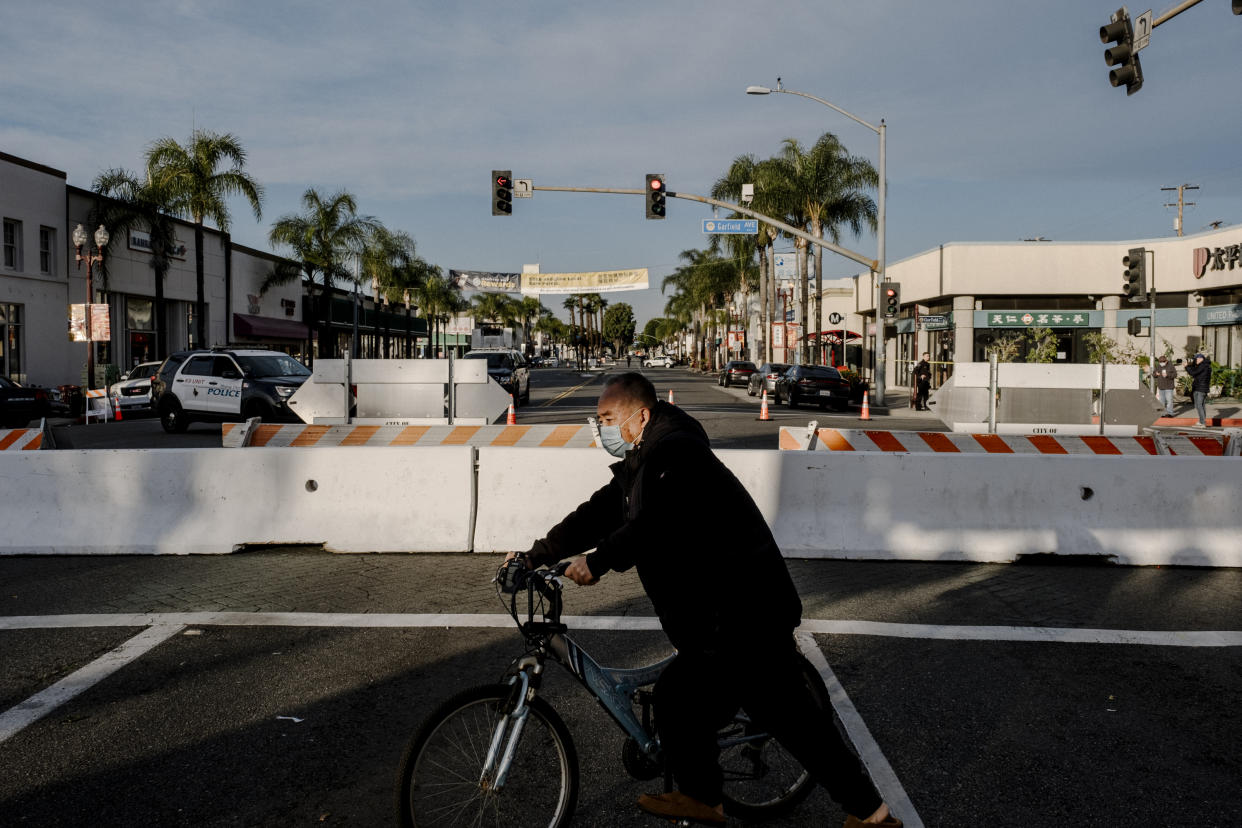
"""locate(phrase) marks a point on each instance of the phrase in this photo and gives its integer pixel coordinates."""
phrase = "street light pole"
(91, 259)
(881, 276)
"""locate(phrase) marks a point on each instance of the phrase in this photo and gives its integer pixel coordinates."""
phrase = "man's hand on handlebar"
(580, 573)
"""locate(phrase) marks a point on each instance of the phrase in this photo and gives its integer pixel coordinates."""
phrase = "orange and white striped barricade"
(26, 439)
(937, 442)
(97, 405)
(236, 435)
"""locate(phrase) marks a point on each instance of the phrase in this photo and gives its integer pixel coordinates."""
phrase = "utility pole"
(1180, 203)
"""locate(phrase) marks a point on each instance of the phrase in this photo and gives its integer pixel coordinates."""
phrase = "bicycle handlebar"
(516, 574)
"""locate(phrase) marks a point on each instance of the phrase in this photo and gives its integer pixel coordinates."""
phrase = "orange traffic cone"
(670, 396)
(512, 420)
(116, 409)
(763, 409)
(866, 409)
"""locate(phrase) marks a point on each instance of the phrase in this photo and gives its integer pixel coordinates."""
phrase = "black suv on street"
(509, 368)
(225, 385)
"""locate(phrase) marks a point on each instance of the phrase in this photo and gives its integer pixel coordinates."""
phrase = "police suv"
(225, 384)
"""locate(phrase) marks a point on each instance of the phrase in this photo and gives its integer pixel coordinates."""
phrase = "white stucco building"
(40, 278)
(983, 290)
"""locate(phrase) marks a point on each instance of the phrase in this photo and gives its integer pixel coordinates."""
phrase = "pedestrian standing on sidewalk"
(922, 382)
(1200, 371)
(1166, 381)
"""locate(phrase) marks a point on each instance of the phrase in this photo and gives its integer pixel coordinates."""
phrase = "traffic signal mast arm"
(872, 264)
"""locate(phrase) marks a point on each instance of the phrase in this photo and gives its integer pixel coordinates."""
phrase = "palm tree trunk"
(765, 321)
(819, 295)
(805, 350)
(200, 311)
(161, 325)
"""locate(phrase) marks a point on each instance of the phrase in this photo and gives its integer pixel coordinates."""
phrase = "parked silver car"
(765, 378)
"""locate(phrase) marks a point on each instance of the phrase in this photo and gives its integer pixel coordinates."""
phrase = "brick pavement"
(296, 580)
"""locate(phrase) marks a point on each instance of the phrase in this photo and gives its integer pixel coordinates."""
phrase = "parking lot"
(279, 688)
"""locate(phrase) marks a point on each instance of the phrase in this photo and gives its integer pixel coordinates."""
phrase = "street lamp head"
(79, 236)
(758, 90)
(101, 237)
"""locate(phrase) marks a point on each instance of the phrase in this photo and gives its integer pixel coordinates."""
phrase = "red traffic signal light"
(502, 192)
(655, 196)
(892, 300)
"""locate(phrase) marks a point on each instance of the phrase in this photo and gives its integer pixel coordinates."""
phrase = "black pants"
(699, 692)
(924, 388)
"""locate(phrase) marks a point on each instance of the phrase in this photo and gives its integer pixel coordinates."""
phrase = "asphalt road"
(248, 714)
(558, 395)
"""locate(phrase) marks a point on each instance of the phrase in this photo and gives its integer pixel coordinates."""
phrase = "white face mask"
(612, 441)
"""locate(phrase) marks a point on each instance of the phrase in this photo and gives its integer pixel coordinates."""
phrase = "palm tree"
(390, 259)
(440, 300)
(196, 188)
(824, 190)
(704, 284)
(528, 309)
(325, 237)
(571, 304)
(745, 170)
(134, 202)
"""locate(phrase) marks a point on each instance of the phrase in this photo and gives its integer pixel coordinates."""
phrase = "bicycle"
(500, 754)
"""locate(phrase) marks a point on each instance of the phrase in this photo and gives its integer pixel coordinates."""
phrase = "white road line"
(1043, 635)
(1046, 635)
(882, 774)
(40, 704)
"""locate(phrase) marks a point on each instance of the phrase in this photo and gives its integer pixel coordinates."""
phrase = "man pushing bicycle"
(725, 600)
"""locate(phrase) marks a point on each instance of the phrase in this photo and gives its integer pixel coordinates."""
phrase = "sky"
(1001, 123)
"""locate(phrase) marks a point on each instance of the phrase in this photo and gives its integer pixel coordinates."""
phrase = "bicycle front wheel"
(442, 782)
(761, 778)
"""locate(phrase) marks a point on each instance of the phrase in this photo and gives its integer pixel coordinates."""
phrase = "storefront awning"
(264, 327)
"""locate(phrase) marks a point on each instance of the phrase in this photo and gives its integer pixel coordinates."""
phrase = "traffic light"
(892, 299)
(1134, 326)
(1134, 286)
(655, 196)
(1122, 55)
(502, 192)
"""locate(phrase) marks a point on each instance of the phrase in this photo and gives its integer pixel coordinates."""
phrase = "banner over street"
(600, 281)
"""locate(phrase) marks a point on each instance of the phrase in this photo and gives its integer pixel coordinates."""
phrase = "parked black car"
(820, 385)
(19, 404)
(765, 378)
(736, 372)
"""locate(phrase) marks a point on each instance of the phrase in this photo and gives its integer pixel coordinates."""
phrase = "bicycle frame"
(615, 688)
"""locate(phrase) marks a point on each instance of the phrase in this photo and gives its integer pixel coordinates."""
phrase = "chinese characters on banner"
(1044, 319)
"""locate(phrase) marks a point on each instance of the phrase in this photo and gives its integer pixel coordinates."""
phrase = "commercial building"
(246, 299)
(958, 299)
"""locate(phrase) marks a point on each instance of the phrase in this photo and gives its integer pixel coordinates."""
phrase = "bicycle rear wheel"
(441, 780)
(761, 778)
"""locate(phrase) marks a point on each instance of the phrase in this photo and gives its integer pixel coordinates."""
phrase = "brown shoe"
(890, 821)
(676, 805)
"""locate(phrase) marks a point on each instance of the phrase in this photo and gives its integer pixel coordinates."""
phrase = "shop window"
(11, 332)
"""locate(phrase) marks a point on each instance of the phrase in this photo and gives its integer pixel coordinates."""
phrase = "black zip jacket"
(704, 553)
(1200, 375)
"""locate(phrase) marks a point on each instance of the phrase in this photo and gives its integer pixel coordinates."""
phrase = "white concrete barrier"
(954, 507)
(523, 492)
(1134, 510)
(181, 501)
